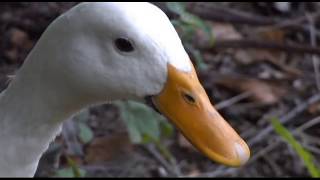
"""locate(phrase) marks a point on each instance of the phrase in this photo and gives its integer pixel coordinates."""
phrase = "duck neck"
(32, 111)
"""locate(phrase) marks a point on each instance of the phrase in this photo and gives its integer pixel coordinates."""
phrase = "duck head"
(111, 51)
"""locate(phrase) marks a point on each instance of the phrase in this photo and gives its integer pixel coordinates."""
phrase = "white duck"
(98, 52)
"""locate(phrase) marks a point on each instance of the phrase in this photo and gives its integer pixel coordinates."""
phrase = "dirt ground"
(264, 63)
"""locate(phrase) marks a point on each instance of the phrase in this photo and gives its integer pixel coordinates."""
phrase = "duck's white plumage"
(75, 64)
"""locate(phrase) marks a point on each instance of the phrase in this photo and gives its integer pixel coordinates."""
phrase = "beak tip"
(242, 152)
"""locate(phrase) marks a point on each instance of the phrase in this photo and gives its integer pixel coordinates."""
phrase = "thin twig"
(296, 131)
(309, 138)
(274, 166)
(312, 148)
(286, 23)
(232, 100)
(309, 124)
(211, 12)
(150, 148)
(284, 119)
(313, 43)
(263, 44)
(222, 170)
(224, 14)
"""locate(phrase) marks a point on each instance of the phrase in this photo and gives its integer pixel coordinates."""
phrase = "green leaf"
(177, 7)
(195, 21)
(77, 172)
(305, 155)
(187, 26)
(70, 172)
(148, 139)
(184, 30)
(66, 172)
(83, 116)
(145, 125)
(85, 133)
(166, 128)
(189, 19)
(198, 58)
(142, 121)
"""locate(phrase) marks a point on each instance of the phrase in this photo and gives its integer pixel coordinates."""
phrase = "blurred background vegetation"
(259, 63)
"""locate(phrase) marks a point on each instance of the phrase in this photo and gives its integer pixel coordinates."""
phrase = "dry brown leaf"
(249, 56)
(20, 45)
(20, 39)
(194, 172)
(224, 31)
(314, 108)
(12, 54)
(262, 91)
(104, 149)
(275, 35)
(219, 31)
(267, 34)
(255, 55)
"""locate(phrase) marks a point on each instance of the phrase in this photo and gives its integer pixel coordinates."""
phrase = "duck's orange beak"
(184, 101)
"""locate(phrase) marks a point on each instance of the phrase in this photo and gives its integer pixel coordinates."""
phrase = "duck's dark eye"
(123, 45)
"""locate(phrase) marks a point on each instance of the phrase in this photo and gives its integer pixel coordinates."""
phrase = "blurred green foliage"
(73, 171)
(144, 124)
(304, 154)
(85, 133)
(187, 24)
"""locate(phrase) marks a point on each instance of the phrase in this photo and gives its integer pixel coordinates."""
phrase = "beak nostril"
(189, 98)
